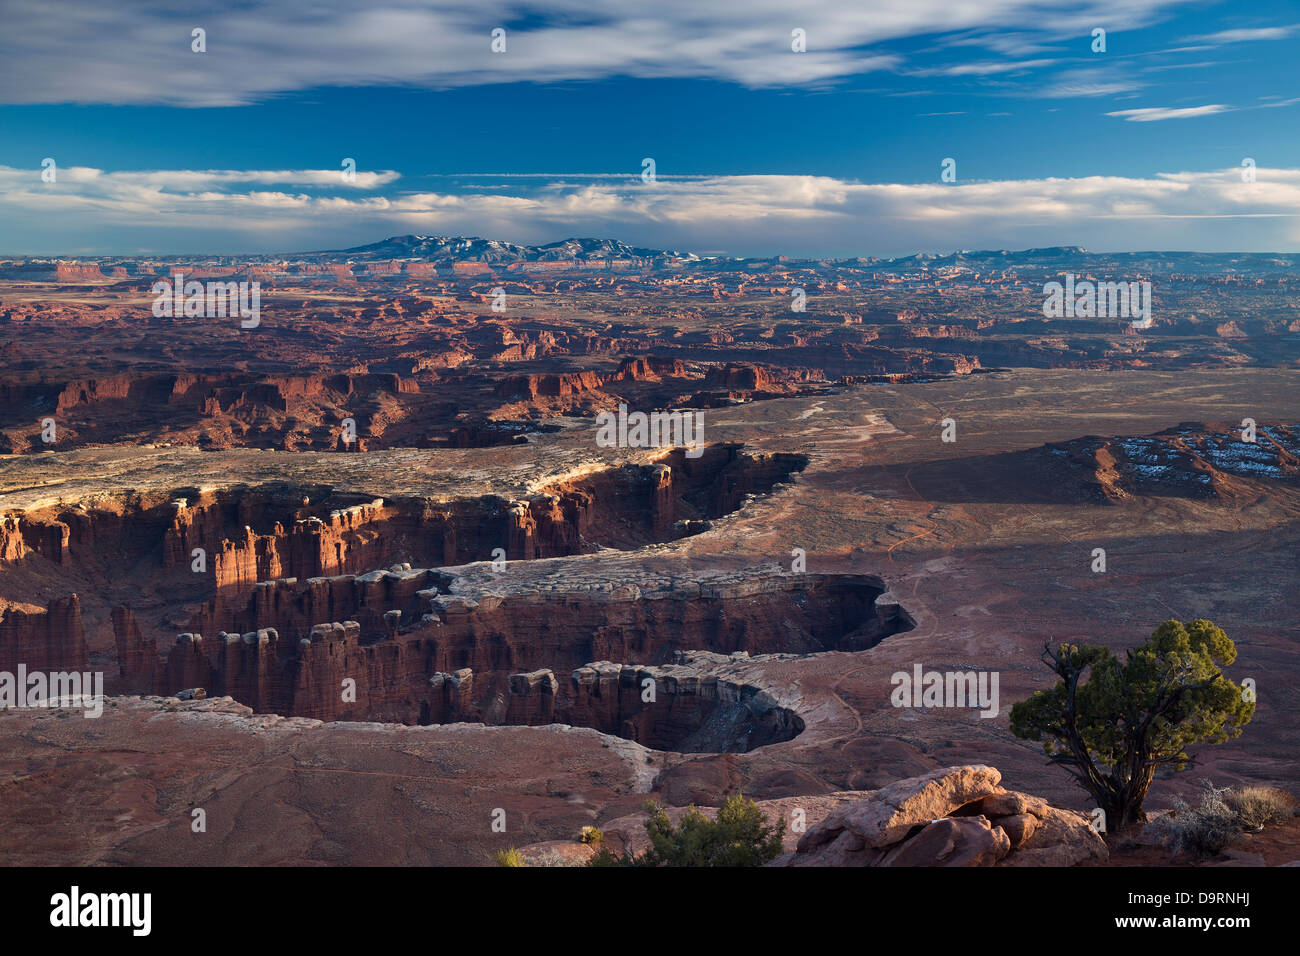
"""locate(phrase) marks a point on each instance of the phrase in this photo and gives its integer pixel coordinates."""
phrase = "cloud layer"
(88, 52)
(294, 210)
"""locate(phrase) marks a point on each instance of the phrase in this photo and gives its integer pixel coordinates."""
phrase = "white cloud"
(1090, 82)
(1247, 35)
(173, 179)
(985, 68)
(744, 215)
(1152, 114)
(88, 53)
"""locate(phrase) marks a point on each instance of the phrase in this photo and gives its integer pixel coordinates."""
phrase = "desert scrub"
(739, 836)
(510, 857)
(1219, 816)
(1258, 807)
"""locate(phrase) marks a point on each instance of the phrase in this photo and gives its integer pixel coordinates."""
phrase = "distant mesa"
(1190, 460)
(984, 255)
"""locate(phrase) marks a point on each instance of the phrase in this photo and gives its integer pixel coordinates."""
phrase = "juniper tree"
(1113, 731)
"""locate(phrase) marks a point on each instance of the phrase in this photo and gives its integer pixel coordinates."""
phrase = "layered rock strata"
(461, 644)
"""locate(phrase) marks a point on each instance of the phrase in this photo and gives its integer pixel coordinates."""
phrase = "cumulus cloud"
(88, 53)
(194, 211)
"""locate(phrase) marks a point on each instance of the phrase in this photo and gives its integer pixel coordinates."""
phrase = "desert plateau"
(854, 446)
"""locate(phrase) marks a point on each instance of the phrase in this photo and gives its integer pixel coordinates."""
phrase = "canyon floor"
(985, 544)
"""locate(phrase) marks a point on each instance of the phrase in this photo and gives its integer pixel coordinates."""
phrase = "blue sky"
(758, 149)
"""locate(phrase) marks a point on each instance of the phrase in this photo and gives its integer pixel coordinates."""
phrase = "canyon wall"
(48, 640)
(660, 708)
(487, 658)
(137, 658)
(282, 559)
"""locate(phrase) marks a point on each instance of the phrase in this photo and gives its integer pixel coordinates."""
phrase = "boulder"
(952, 841)
(1008, 803)
(846, 849)
(1062, 838)
(957, 816)
(1019, 828)
(889, 814)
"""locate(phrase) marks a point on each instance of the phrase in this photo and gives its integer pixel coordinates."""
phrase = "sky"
(1177, 129)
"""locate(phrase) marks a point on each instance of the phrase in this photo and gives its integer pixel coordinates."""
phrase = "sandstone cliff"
(49, 640)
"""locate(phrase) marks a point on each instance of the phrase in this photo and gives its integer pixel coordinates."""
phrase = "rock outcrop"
(957, 816)
(1192, 460)
(953, 817)
(561, 385)
(78, 272)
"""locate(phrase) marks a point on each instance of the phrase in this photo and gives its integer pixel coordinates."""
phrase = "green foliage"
(591, 835)
(1134, 716)
(510, 857)
(739, 836)
(607, 857)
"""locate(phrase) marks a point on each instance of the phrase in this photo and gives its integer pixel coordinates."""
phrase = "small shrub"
(607, 857)
(510, 857)
(591, 836)
(1258, 807)
(739, 836)
(1204, 829)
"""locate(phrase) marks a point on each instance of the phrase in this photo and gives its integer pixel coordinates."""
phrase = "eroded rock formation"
(957, 816)
(470, 655)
